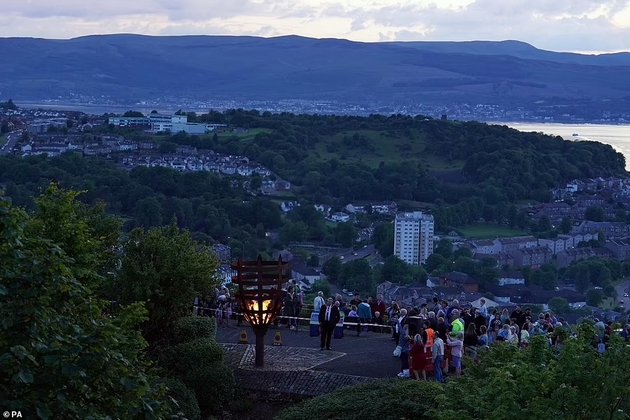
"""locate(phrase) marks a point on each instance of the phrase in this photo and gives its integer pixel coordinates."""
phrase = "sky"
(558, 25)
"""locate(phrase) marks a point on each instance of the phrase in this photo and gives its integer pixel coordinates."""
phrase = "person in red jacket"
(378, 305)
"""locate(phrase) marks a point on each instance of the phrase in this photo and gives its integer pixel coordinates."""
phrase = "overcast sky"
(561, 25)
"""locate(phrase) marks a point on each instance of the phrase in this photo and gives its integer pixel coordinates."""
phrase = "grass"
(489, 231)
(250, 134)
(383, 146)
(3, 139)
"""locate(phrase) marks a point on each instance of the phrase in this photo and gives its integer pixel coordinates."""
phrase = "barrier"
(314, 326)
(277, 339)
(338, 331)
(243, 338)
(281, 317)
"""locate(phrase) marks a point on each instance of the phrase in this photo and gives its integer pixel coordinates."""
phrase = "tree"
(346, 234)
(566, 226)
(543, 382)
(321, 286)
(435, 261)
(594, 297)
(395, 270)
(594, 214)
(444, 248)
(383, 239)
(59, 356)
(313, 260)
(462, 251)
(559, 305)
(148, 212)
(136, 114)
(332, 269)
(168, 270)
(4, 127)
(544, 224)
(255, 182)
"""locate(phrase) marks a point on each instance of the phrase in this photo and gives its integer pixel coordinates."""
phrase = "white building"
(413, 237)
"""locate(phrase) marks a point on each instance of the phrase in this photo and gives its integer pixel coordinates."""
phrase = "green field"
(250, 134)
(382, 146)
(489, 231)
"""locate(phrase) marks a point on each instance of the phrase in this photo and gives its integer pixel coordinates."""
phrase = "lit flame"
(260, 318)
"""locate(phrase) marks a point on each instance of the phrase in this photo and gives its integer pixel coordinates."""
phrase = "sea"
(618, 136)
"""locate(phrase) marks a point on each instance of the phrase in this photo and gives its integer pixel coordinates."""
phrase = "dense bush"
(213, 384)
(191, 328)
(199, 365)
(185, 399)
(191, 355)
(392, 399)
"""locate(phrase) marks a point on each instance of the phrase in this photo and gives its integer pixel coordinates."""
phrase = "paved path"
(369, 355)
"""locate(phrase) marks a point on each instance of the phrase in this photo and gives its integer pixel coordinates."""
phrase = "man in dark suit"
(328, 319)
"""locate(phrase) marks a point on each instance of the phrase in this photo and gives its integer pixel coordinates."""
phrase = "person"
(417, 358)
(299, 294)
(457, 325)
(378, 305)
(319, 301)
(356, 301)
(437, 357)
(404, 340)
(290, 305)
(456, 351)
(471, 341)
(328, 318)
(364, 311)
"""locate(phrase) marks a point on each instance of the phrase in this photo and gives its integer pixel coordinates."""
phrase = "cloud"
(570, 25)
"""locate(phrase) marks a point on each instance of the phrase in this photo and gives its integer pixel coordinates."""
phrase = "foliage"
(391, 399)
(85, 233)
(539, 382)
(321, 286)
(59, 356)
(194, 327)
(594, 297)
(167, 269)
(559, 305)
(199, 365)
(185, 399)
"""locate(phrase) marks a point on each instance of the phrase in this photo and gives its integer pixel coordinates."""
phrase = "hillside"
(133, 67)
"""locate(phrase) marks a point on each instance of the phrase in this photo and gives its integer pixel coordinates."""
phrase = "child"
(456, 351)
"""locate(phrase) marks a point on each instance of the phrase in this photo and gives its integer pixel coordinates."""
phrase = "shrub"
(391, 399)
(199, 365)
(192, 355)
(191, 328)
(185, 399)
(213, 385)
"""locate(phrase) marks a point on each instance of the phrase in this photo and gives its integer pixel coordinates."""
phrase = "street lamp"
(260, 295)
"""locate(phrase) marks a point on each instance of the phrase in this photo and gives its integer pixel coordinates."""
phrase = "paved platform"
(367, 356)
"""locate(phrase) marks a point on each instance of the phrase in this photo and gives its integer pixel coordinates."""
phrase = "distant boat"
(575, 134)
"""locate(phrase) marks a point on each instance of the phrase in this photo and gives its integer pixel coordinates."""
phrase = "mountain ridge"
(294, 67)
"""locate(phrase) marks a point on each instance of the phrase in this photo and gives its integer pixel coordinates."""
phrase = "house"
(323, 208)
(511, 277)
(575, 186)
(458, 279)
(532, 257)
(610, 229)
(509, 245)
(283, 185)
(340, 217)
(484, 246)
(501, 259)
(555, 245)
(287, 206)
(385, 208)
(566, 257)
(620, 248)
(352, 208)
(301, 272)
(222, 252)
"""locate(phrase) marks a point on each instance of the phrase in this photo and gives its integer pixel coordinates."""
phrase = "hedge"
(185, 399)
(191, 328)
(390, 399)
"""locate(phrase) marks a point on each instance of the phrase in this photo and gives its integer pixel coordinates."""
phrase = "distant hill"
(249, 68)
(521, 50)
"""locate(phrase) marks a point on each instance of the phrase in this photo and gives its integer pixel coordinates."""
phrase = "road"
(622, 289)
(12, 139)
(355, 255)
